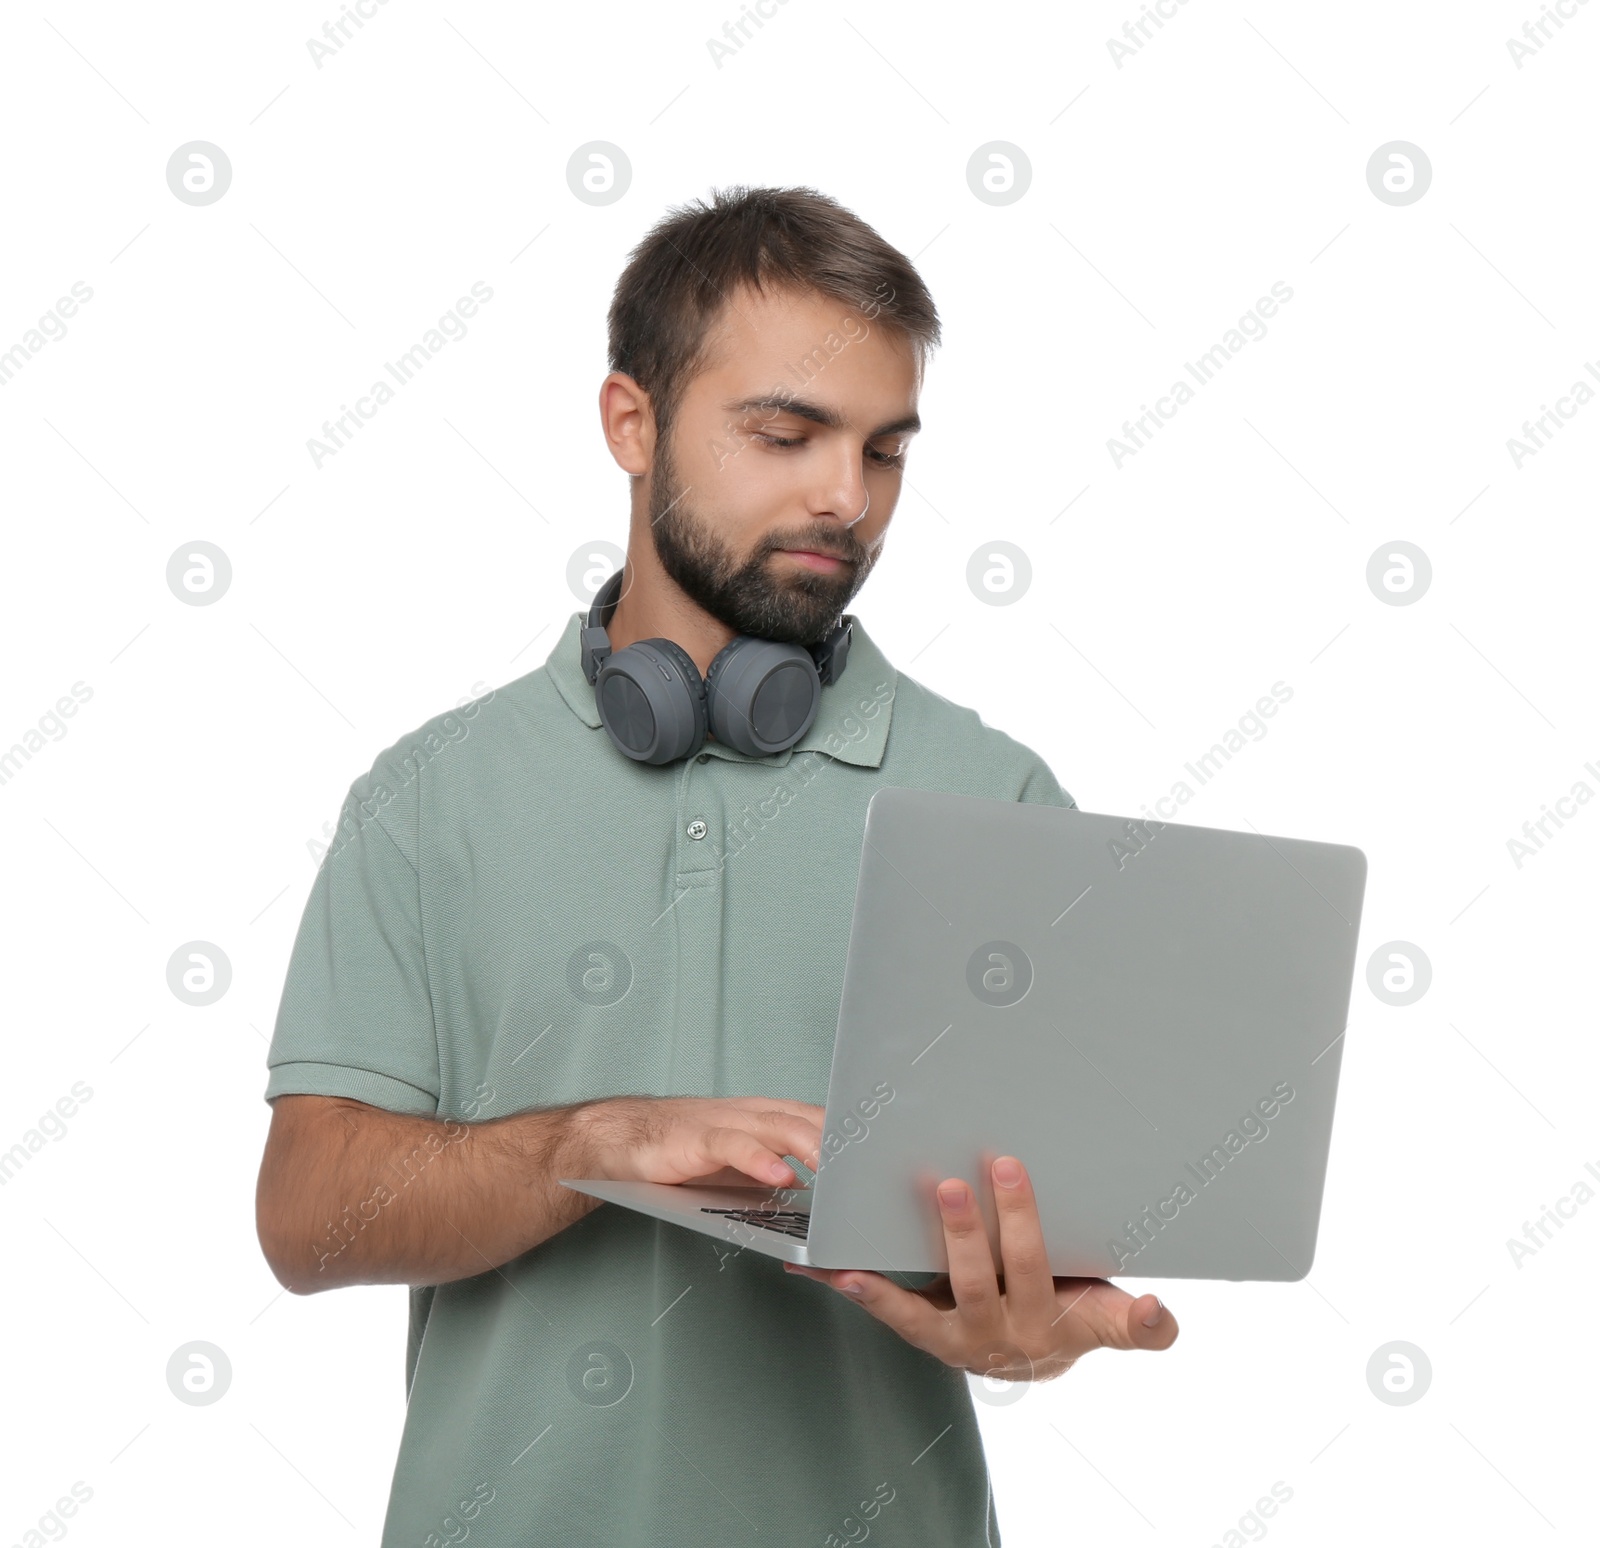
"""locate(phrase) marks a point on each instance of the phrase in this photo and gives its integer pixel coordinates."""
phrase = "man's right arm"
(353, 1194)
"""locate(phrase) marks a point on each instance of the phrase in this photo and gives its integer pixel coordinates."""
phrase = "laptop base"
(733, 1215)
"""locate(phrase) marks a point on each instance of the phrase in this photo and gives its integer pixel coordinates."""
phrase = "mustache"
(851, 553)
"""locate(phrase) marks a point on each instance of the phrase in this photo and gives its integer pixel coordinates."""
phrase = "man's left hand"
(1014, 1323)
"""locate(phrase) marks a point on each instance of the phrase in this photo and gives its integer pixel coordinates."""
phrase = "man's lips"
(816, 558)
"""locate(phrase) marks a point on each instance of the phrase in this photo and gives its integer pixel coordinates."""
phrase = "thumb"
(1148, 1324)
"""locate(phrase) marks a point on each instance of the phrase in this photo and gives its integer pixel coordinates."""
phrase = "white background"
(429, 558)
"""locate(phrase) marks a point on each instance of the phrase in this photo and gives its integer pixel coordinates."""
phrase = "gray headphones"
(758, 697)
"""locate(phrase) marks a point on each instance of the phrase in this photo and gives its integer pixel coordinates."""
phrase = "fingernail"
(849, 1286)
(952, 1194)
(1154, 1316)
(1006, 1172)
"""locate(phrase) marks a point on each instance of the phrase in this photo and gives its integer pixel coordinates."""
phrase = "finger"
(904, 1311)
(1113, 1319)
(786, 1131)
(1030, 1290)
(807, 1110)
(936, 1293)
(723, 1177)
(803, 1136)
(741, 1149)
(1133, 1322)
(1149, 1324)
(973, 1281)
(786, 1134)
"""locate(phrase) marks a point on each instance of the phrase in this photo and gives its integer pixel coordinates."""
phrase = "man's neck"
(653, 606)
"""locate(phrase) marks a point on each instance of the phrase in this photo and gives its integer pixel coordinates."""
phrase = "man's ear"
(628, 423)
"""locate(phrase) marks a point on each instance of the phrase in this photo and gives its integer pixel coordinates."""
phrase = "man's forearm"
(352, 1194)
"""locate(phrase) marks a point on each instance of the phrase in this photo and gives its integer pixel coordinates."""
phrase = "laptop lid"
(1148, 1015)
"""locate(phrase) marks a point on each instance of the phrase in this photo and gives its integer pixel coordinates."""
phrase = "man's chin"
(808, 620)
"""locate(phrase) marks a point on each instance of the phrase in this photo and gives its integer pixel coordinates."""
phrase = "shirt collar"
(852, 722)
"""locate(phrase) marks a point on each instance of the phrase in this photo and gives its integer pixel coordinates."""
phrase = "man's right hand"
(353, 1194)
(698, 1139)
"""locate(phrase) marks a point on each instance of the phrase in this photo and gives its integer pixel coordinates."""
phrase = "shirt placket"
(694, 914)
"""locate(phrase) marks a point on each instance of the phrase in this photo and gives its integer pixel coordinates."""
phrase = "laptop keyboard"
(790, 1222)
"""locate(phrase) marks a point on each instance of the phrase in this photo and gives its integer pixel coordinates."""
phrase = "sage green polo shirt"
(514, 915)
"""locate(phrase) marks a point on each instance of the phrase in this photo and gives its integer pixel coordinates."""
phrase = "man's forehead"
(752, 310)
(761, 339)
(783, 322)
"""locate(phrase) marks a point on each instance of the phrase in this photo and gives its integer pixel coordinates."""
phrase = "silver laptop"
(1149, 1015)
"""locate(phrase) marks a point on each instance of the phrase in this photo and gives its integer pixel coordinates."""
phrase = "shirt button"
(703, 758)
(696, 829)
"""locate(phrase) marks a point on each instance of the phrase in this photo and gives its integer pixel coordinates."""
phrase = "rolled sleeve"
(356, 1015)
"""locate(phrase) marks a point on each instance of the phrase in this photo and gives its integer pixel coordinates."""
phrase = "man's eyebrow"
(818, 413)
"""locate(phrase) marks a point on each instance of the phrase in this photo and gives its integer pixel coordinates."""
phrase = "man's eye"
(883, 459)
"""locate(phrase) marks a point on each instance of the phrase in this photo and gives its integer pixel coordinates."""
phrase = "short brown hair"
(682, 273)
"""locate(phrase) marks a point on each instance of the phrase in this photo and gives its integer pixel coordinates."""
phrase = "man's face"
(770, 497)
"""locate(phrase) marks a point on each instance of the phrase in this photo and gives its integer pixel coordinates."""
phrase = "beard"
(750, 595)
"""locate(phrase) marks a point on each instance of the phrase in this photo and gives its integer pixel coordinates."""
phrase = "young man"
(532, 954)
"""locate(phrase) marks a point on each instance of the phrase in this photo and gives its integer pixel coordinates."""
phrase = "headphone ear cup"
(652, 702)
(761, 695)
